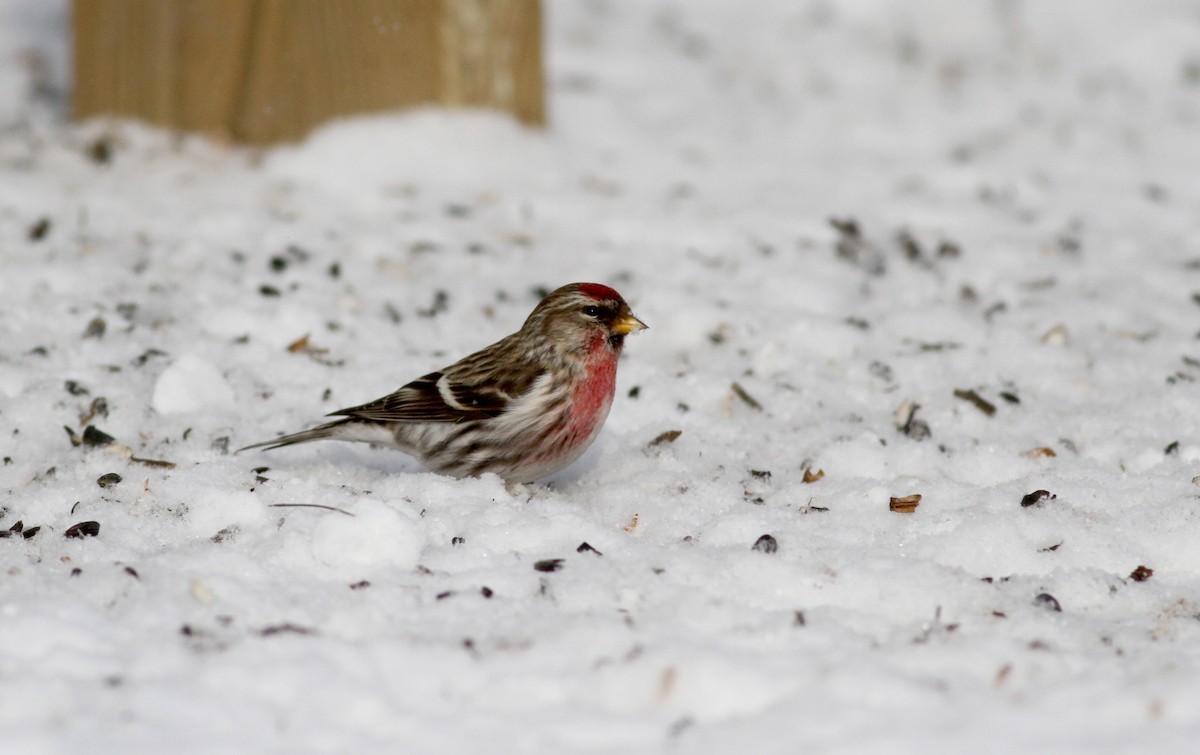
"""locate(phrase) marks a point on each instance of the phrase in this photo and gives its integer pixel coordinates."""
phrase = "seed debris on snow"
(1046, 600)
(1141, 574)
(746, 398)
(1037, 498)
(906, 504)
(1055, 336)
(978, 401)
(108, 480)
(93, 436)
(905, 418)
(765, 544)
(548, 565)
(667, 436)
(1039, 452)
(83, 529)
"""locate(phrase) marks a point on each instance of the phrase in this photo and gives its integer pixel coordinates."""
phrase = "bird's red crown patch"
(598, 292)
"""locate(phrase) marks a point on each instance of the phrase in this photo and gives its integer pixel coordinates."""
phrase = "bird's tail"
(328, 431)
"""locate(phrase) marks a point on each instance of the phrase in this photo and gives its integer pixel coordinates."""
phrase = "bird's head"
(584, 317)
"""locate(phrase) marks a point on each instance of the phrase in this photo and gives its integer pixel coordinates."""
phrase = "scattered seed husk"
(1039, 452)
(1056, 336)
(1037, 498)
(38, 230)
(667, 436)
(881, 371)
(633, 524)
(359, 585)
(441, 302)
(852, 247)
(980, 402)
(75, 388)
(1046, 600)
(95, 328)
(548, 564)
(765, 544)
(309, 506)
(486, 591)
(906, 504)
(907, 423)
(994, 310)
(303, 346)
(285, 629)
(762, 474)
(108, 480)
(586, 547)
(153, 462)
(811, 476)
(721, 334)
(1051, 548)
(92, 436)
(101, 150)
(98, 408)
(928, 346)
(746, 398)
(147, 355)
(1172, 448)
(1141, 574)
(909, 246)
(225, 533)
(82, 530)
(1002, 675)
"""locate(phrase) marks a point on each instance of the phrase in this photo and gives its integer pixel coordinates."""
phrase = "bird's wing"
(473, 389)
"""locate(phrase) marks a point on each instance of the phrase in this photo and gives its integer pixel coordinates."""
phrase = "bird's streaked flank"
(523, 408)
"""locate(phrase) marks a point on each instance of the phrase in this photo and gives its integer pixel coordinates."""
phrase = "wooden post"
(262, 71)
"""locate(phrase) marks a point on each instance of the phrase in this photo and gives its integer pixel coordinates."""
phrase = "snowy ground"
(1017, 187)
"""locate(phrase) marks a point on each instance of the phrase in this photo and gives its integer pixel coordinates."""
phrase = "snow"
(1023, 181)
(190, 384)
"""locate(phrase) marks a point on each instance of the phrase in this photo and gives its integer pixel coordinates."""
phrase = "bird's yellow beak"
(628, 324)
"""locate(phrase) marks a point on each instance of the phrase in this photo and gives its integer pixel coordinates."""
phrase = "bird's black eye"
(591, 311)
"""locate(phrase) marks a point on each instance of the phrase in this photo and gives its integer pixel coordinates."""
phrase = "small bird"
(523, 408)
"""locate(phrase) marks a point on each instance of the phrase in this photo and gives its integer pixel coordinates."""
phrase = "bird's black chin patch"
(616, 340)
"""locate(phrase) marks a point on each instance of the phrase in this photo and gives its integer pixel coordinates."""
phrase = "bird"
(523, 408)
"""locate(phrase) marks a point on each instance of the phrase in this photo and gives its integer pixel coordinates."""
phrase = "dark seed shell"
(108, 480)
(83, 529)
(766, 544)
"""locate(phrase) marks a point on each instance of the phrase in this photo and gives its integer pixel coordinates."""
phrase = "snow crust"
(1014, 251)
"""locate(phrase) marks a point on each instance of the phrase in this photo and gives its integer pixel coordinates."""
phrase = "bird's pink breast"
(592, 396)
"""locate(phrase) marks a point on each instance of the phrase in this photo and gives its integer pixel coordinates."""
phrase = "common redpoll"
(524, 407)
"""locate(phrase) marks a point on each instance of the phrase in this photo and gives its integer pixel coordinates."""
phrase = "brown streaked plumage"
(523, 408)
